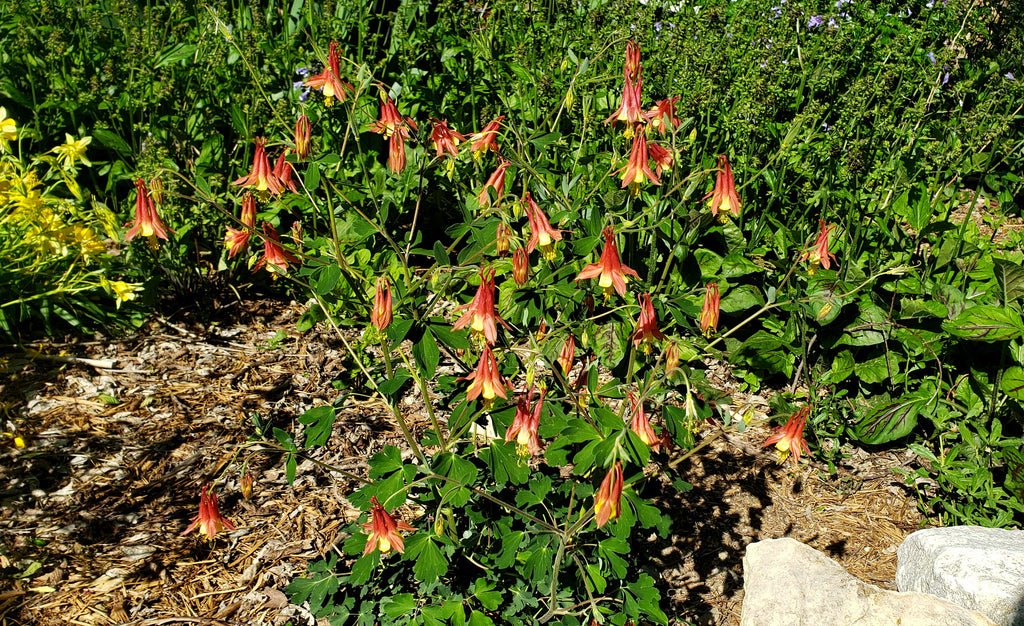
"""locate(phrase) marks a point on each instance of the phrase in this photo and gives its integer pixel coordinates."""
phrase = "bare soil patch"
(102, 494)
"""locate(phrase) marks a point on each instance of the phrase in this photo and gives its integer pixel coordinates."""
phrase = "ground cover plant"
(538, 223)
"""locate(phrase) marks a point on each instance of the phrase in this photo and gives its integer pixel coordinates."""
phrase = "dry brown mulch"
(123, 434)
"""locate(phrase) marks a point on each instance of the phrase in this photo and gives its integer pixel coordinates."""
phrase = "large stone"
(786, 583)
(978, 568)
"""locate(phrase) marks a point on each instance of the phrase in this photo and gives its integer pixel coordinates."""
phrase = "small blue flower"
(832, 23)
(945, 79)
(825, 126)
(304, 95)
(815, 21)
(1009, 76)
(297, 84)
(931, 57)
(657, 26)
(302, 71)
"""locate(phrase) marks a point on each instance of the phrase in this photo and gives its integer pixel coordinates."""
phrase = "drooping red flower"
(662, 158)
(209, 520)
(629, 110)
(724, 196)
(525, 424)
(261, 177)
(520, 266)
(496, 180)
(541, 233)
(710, 310)
(567, 354)
(480, 315)
(383, 529)
(819, 254)
(647, 324)
(487, 139)
(147, 222)
(329, 80)
(609, 271)
(275, 257)
(608, 499)
(237, 240)
(381, 315)
(487, 380)
(303, 138)
(395, 128)
(790, 438)
(638, 169)
(641, 425)
(284, 172)
(663, 115)
(445, 139)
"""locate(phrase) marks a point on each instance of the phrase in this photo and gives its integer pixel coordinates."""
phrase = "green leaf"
(505, 463)
(476, 618)
(430, 562)
(509, 549)
(609, 343)
(986, 323)
(426, 354)
(912, 308)
(842, 367)
(388, 460)
(328, 279)
(398, 330)
(484, 591)
(313, 177)
(1010, 277)
(441, 255)
(890, 420)
(319, 422)
(876, 370)
(646, 596)
(113, 141)
(1013, 382)
(866, 330)
(314, 590)
(398, 605)
(742, 298)
(455, 340)
(391, 386)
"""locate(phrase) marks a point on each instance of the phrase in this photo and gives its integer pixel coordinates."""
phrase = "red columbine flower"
(487, 381)
(487, 139)
(671, 356)
(283, 171)
(790, 438)
(709, 312)
(608, 500)
(662, 158)
(303, 140)
(209, 520)
(381, 315)
(724, 196)
(641, 425)
(446, 140)
(261, 178)
(275, 257)
(637, 169)
(383, 530)
(663, 115)
(541, 233)
(525, 424)
(480, 310)
(629, 111)
(496, 180)
(395, 128)
(819, 254)
(647, 324)
(329, 80)
(567, 354)
(147, 223)
(236, 240)
(520, 266)
(610, 271)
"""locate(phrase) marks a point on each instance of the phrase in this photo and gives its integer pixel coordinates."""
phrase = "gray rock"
(978, 568)
(789, 584)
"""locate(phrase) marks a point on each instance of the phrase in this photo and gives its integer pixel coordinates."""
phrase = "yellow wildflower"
(72, 150)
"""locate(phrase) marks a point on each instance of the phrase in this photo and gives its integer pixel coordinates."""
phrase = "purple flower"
(832, 23)
(945, 79)
(931, 57)
(841, 3)
(657, 26)
(825, 126)
(1009, 76)
(302, 71)
(815, 21)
